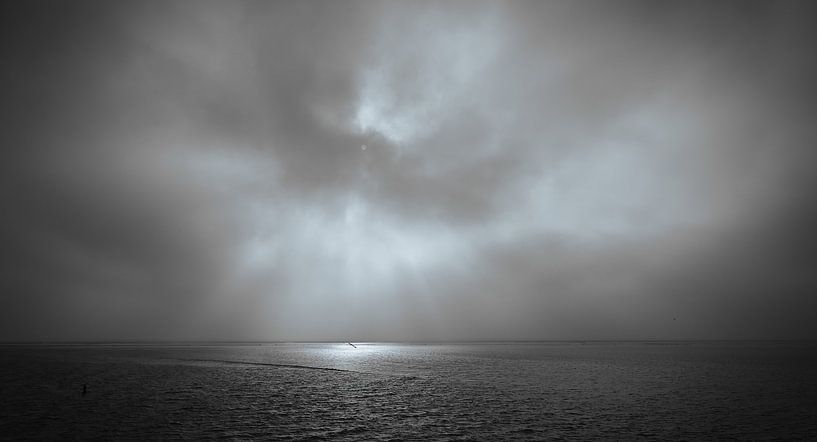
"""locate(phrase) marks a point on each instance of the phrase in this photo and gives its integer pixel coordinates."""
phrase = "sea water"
(380, 391)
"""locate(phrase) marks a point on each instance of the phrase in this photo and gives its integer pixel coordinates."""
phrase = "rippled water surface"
(401, 391)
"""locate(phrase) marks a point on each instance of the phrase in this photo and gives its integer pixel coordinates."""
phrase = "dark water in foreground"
(400, 391)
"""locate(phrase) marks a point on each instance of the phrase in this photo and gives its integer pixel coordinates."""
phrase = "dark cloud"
(312, 170)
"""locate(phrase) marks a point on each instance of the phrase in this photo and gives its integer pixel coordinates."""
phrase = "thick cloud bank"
(408, 171)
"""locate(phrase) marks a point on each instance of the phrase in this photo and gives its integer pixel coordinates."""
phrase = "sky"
(408, 171)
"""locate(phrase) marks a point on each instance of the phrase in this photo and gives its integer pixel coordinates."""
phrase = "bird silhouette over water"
(353, 345)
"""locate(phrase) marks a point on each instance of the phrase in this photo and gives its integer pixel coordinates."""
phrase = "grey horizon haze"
(408, 170)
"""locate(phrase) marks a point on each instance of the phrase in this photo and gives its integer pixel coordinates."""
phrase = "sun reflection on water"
(360, 357)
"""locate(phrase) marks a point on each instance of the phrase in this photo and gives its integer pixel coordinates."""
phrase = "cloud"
(558, 170)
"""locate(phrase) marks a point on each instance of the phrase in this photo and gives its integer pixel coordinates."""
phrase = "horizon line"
(170, 342)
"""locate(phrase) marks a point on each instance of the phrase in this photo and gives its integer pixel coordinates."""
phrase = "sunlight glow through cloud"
(409, 91)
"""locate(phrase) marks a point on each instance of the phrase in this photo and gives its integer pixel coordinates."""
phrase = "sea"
(400, 391)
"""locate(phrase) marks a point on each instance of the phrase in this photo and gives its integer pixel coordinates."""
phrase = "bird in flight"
(353, 345)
